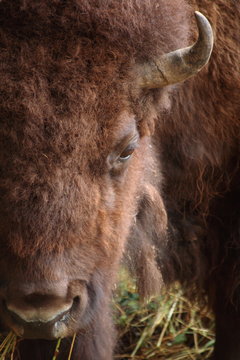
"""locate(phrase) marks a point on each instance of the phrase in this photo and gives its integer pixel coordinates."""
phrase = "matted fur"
(68, 96)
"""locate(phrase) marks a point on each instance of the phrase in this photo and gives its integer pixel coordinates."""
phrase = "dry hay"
(167, 327)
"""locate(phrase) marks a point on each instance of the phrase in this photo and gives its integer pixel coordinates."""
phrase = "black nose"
(53, 328)
(43, 309)
(39, 302)
(40, 310)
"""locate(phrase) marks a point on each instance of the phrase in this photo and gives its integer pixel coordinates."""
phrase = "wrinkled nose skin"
(41, 312)
(44, 311)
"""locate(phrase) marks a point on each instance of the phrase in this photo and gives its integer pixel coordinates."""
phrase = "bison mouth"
(74, 319)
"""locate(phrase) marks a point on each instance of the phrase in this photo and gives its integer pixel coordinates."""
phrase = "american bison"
(104, 148)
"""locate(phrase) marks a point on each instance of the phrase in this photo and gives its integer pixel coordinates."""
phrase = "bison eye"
(127, 153)
(118, 159)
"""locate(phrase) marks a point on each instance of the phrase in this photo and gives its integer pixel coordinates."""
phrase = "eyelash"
(117, 161)
(129, 150)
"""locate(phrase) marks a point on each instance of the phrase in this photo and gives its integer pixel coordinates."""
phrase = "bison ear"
(140, 258)
(180, 64)
(147, 236)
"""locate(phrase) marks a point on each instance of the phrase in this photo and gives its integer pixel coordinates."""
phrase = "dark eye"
(117, 160)
(127, 153)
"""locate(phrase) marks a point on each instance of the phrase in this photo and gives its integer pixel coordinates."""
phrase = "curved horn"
(179, 65)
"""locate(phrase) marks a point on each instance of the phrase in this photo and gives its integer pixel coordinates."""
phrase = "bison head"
(76, 157)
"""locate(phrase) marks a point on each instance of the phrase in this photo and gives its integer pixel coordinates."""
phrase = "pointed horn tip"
(183, 63)
(204, 25)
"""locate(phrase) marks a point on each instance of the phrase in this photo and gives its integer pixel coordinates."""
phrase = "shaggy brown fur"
(69, 107)
(200, 160)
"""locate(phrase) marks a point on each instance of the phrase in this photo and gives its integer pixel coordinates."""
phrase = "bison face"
(74, 162)
(69, 194)
(69, 147)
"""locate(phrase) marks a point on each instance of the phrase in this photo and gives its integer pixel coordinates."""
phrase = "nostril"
(76, 303)
(76, 300)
